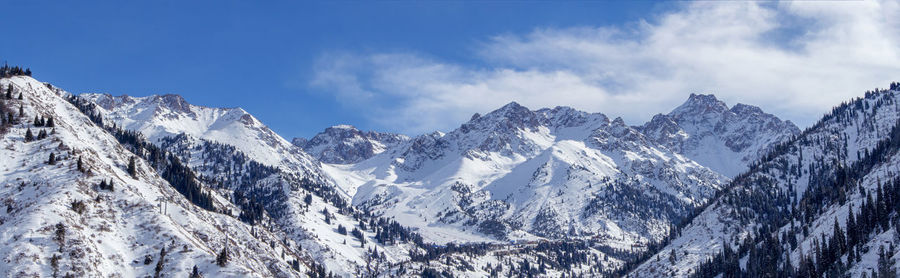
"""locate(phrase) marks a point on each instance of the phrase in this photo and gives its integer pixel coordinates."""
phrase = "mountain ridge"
(510, 174)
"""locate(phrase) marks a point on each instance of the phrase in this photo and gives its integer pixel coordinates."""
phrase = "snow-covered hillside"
(724, 139)
(794, 202)
(344, 144)
(58, 221)
(160, 116)
(521, 174)
(228, 147)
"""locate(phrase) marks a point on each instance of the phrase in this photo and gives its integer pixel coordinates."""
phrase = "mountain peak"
(511, 105)
(727, 140)
(511, 109)
(343, 144)
(701, 104)
(174, 102)
(742, 109)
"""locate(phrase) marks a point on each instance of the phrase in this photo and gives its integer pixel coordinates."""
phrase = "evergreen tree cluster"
(831, 255)
(108, 186)
(252, 211)
(7, 71)
(43, 122)
(233, 170)
(7, 117)
(318, 271)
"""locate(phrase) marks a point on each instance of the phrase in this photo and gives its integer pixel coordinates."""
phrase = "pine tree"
(159, 264)
(132, 168)
(80, 165)
(37, 121)
(195, 273)
(222, 258)
(21, 110)
(20, 96)
(50, 122)
(29, 136)
(885, 264)
(52, 160)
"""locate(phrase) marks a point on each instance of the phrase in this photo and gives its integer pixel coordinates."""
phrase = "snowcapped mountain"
(549, 192)
(724, 139)
(316, 217)
(823, 203)
(515, 173)
(75, 206)
(344, 144)
(264, 174)
(160, 116)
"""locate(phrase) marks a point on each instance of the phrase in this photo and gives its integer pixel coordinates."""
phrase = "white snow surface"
(118, 228)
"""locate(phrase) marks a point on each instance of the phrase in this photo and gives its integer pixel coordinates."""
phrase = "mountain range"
(154, 185)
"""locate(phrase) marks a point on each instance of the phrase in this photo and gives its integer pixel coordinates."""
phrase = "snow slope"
(117, 229)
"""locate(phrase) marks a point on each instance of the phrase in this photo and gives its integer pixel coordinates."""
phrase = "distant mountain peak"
(724, 139)
(701, 104)
(512, 105)
(342, 144)
(344, 127)
(512, 110)
(744, 109)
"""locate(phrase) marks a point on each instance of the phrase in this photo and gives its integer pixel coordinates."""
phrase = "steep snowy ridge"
(344, 144)
(57, 220)
(157, 117)
(724, 139)
(515, 173)
(789, 200)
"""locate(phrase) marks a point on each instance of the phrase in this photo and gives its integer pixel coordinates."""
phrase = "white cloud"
(794, 59)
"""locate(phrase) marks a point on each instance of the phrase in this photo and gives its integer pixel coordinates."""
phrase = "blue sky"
(413, 67)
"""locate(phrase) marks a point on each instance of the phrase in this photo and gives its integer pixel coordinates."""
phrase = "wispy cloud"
(794, 59)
